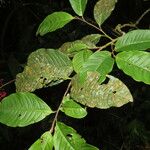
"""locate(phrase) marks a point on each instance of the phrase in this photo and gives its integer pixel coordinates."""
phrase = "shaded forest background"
(125, 128)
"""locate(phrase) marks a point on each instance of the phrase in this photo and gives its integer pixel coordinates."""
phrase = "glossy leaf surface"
(100, 61)
(45, 67)
(72, 109)
(134, 40)
(78, 6)
(80, 58)
(22, 109)
(53, 22)
(135, 64)
(66, 138)
(45, 142)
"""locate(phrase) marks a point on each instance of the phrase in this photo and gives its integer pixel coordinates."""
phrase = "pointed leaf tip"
(103, 9)
(78, 6)
(53, 22)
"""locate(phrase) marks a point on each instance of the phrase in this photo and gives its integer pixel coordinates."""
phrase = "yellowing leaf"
(103, 9)
(45, 67)
(92, 94)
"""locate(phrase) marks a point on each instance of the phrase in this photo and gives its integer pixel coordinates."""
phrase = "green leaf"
(71, 48)
(45, 142)
(53, 22)
(103, 9)
(134, 40)
(92, 94)
(100, 61)
(22, 109)
(72, 109)
(66, 138)
(135, 64)
(78, 6)
(45, 67)
(79, 59)
(91, 40)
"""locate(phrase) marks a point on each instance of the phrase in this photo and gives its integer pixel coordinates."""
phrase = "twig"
(108, 44)
(141, 17)
(57, 112)
(92, 25)
(133, 25)
(7, 83)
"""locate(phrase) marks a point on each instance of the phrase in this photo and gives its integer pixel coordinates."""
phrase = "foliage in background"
(87, 65)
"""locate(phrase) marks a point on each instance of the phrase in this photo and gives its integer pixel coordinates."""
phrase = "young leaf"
(45, 67)
(103, 9)
(79, 59)
(78, 6)
(134, 40)
(135, 64)
(92, 94)
(71, 48)
(45, 142)
(101, 62)
(91, 40)
(72, 109)
(66, 138)
(22, 109)
(53, 22)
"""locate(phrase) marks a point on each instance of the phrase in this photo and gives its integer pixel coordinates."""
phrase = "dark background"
(125, 128)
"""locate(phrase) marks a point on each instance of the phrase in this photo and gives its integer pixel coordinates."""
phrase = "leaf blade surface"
(78, 6)
(134, 40)
(103, 9)
(136, 64)
(53, 22)
(22, 109)
(66, 138)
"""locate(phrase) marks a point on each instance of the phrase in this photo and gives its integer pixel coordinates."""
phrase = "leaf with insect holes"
(53, 22)
(22, 109)
(66, 138)
(45, 142)
(78, 6)
(103, 10)
(72, 109)
(92, 94)
(45, 67)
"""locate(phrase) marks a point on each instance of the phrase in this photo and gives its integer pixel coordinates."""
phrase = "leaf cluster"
(87, 66)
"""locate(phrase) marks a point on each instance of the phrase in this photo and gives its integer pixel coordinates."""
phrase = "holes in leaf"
(69, 136)
(41, 140)
(43, 80)
(106, 81)
(114, 92)
(19, 115)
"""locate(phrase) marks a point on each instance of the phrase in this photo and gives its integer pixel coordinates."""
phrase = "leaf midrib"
(132, 44)
(65, 138)
(134, 64)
